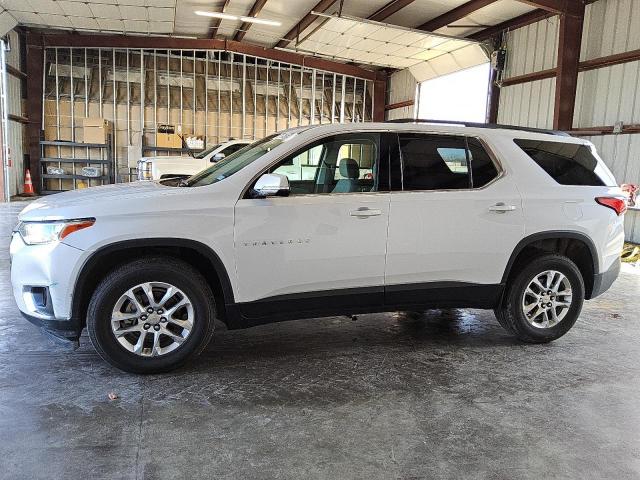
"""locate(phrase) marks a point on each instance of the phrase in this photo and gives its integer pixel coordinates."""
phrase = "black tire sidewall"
(513, 309)
(178, 274)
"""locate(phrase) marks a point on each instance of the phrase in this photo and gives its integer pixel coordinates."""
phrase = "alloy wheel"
(547, 299)
(152, 319)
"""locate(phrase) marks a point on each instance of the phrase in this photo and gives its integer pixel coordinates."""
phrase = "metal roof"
(177, 17)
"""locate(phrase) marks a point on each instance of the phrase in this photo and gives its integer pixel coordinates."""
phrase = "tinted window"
(233, 148)
(433, 162)
(455, 159)
(483, 170)
(566, 163)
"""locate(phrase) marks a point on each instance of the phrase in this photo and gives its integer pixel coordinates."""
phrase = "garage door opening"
(460, 96)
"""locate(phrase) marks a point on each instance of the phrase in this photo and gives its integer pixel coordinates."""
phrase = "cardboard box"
(168, 140)
(167, 136)
(96, 130)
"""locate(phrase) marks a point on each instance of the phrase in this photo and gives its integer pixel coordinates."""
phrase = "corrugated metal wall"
(530, 49)
(612, 94)
(15, 129)
(604, 96)
(608, 95)
(611, 26)
(622, 155)
(402, 87)
(528, 104)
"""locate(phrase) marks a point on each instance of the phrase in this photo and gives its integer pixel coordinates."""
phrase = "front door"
(324, 245)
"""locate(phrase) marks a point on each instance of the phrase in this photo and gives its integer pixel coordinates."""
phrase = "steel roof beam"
(454, 15)
(394, 6)
(216, 23)
(321, 7)
(254, 12)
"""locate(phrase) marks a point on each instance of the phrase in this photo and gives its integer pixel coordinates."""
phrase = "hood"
(73, 203)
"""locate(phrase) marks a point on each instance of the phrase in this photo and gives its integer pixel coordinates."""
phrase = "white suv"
(158, 168)
(326, 220)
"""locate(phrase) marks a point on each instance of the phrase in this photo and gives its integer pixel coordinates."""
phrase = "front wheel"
(542, 301)
(151, 315)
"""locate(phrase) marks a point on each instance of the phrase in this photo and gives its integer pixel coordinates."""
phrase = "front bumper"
(603, 281)
(60, 330)
(42, 278)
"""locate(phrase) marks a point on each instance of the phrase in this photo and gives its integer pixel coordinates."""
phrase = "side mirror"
(217, 157)
(271, 185)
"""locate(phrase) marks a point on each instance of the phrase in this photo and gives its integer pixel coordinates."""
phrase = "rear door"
(455, 218)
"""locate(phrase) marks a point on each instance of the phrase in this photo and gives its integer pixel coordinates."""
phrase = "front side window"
(567, 163)
(301, 167)
(234, 162)
(337, 164)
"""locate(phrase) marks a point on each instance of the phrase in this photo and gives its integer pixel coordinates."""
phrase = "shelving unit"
(151, 148)
(105, 162)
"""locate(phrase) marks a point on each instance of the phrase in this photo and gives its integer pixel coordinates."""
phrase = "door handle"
(502, 208)
(364, 212)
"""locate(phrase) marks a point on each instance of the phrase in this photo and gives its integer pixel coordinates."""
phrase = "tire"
(192, 325)
(502, 321)
(511, 312)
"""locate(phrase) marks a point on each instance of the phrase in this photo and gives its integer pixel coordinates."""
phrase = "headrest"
(349, 168)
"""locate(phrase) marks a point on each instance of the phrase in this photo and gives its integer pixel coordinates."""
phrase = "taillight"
(617, 204)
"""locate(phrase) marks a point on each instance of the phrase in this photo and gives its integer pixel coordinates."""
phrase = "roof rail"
(480, 125)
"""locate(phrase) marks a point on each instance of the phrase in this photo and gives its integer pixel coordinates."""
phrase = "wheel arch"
(199, 255)
(575, 245)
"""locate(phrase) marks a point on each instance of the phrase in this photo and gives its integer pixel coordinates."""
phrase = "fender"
(550, 235)
(101, 253)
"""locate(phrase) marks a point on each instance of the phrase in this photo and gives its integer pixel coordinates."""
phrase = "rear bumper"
(603, 281)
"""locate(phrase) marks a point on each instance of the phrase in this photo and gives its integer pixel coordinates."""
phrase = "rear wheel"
(543, 300)
(151, 315)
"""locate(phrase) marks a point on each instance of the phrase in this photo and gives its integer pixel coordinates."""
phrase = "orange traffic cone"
(28, 185)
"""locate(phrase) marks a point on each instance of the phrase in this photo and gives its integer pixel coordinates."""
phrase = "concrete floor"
(438, 395)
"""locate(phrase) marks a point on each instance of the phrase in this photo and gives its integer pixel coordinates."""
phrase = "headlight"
(39, 233)
(144, 170)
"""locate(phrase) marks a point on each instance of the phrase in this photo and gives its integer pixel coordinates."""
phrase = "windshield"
(206, 151)
(234, 162)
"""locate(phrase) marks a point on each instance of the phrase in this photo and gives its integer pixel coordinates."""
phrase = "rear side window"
(444, 162)
(483, 170)
(566, 163)
(433, 162)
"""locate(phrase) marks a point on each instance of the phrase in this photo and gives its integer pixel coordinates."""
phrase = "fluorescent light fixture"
(261, 21)
(222, 16)
(228, 16)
